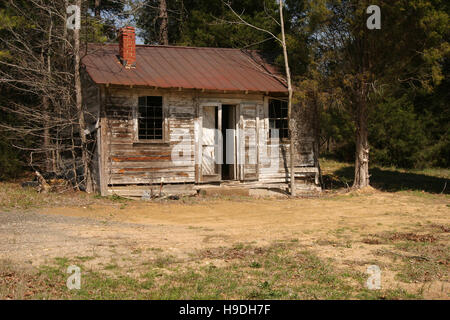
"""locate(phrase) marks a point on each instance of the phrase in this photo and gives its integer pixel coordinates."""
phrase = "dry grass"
(236, 248)
(283, 270)
(13, 196)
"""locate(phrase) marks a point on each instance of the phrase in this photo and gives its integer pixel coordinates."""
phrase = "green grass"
(163, 261)
(425, 183)
(425, 262)
(391, 179)
(284, 270)
(13, 196)
(111, 266)
(418, 257)
(84, 258)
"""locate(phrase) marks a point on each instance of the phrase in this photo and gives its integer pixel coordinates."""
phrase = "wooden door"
(211, 145)
(248, 143)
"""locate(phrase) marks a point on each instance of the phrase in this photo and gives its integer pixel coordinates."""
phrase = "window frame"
(136, 121)
(269, 118)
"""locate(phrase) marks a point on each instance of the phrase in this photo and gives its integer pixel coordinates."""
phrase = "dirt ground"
(130, 233)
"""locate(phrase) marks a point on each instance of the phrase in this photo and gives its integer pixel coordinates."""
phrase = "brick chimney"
(127, 47)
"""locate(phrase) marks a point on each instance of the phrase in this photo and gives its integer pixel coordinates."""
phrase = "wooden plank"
(104, 174)
(134, 179)
(181, 171)
(152, 159)
(155, 164)
(138, 191)
(249, 140)
(208, 140)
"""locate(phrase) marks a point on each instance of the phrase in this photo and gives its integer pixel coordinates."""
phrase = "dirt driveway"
(180, 228)
(333, 227)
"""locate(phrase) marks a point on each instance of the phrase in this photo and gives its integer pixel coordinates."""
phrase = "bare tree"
(49, 162)
(164, 26)
(40, 82)
(79, 104)
(290, 92)
(282, 42)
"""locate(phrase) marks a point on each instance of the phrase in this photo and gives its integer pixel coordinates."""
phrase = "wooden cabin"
(184, 118)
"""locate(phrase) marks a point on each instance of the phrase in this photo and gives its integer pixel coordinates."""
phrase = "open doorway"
(229, 142)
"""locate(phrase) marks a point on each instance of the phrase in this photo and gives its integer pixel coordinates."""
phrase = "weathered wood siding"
(132, 162)
(274, 159)
(248, 138)
(127, 161)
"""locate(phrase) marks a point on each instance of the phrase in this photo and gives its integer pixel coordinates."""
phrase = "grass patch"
(84, 258)
(14, 196)
(283, 270)
(111, 266)
(162, 261)
(424, 262)
(423, 257)
(421, 182)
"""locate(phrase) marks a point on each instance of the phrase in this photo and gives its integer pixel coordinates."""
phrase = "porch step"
(224, 191)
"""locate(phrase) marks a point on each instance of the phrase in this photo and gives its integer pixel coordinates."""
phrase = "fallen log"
(44, 187)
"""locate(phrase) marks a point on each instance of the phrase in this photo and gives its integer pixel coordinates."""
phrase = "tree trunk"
(49, 161)
(74, 160)
(362, 146)
(79, 104)
(163, 28)
(97, 8)
(46, 143)
(46, 167)
(290, 90)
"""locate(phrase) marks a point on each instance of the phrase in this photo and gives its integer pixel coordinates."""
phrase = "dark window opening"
(278, 118)
(150, 118)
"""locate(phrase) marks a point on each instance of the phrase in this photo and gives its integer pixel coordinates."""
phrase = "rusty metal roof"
(184, 67)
